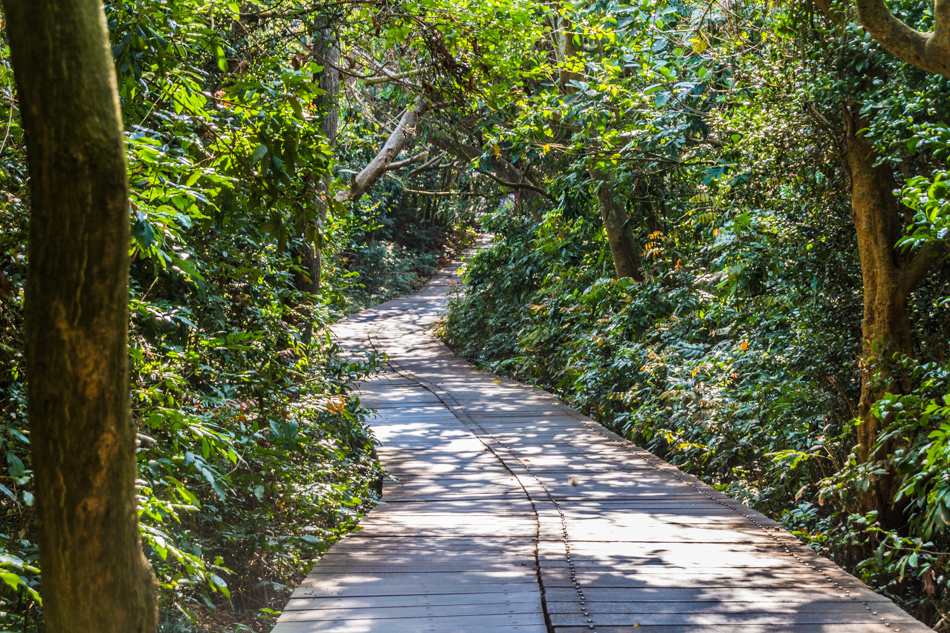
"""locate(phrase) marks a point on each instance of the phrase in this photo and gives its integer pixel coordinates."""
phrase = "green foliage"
(719, 128)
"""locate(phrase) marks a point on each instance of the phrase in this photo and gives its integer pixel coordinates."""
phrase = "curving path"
(506, 510)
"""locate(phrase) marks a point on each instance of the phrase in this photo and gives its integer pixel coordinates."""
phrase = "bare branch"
(399, 164)
(405, 130)
(518, 185)
(428, 165)
(422, 192)
(388, 76)
(506, 174)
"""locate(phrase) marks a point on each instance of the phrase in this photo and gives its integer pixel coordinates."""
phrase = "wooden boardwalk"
(508, 511)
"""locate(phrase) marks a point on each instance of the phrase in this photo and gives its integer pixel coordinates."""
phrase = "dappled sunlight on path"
(505, 510)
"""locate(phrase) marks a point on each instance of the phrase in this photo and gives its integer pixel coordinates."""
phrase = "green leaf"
(259, 152)
(7, 492)
(16, 467)
(217, 582)
(10, 579)
(221, 59)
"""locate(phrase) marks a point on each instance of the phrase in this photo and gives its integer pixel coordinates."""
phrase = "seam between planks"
(376, 346)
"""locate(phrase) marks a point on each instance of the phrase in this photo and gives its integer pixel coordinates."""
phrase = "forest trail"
(508, 511)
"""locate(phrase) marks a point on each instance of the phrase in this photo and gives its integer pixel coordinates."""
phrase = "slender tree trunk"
(327, 52)
(94, 574)
(623, 248)
(888, 278)
(564, 50)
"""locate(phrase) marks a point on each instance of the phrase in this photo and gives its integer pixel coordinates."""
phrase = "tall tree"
(326, 51)
(328, 54)
(95, 576)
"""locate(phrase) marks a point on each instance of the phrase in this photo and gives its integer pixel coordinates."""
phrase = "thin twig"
(9, 125)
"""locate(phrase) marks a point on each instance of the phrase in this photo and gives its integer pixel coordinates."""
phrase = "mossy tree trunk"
(623, 248)
(888, 276)
(94, 574)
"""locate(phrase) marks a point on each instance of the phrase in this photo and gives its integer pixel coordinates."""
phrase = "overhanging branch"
(399, 164)
(389, 76)
(928, 51)
(518, 185)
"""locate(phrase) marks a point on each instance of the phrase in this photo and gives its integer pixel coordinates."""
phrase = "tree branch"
(428, 165)
(421, 192)
(506, 174)
(915, 269)
(518, 185)
(928, 51)
(388, 76)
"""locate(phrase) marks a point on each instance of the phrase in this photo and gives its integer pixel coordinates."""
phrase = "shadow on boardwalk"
(508, 511)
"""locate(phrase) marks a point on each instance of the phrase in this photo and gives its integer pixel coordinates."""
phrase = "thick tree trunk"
(888, 278)
(623, 248)
(94, 574)
(327, 52)
(370, 174)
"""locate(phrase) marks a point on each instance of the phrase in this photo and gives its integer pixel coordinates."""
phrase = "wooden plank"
(746, 628)
(670, 595)
(673, 580)
(468, 624)
(756, 616)
(419, 592)
(802, 605)
(529, 598)
(391, 612)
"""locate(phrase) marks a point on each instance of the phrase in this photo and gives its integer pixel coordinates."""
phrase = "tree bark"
(888, 278)
(564, 50)
(370, 174)
(94, 574)
(623, 248)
